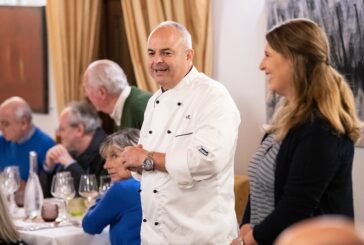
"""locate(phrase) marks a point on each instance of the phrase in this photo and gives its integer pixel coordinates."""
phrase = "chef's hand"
(133, 157)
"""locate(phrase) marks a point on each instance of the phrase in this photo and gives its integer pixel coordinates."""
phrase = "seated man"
(20, 136)
(107, 88)
(81, 135)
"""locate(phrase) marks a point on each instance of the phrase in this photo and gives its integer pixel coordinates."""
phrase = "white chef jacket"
(196, 125)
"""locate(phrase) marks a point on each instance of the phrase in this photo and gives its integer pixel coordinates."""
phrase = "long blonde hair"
(317, 85)
(8, 232)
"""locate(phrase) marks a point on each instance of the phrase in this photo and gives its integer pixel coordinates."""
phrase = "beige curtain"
(73, 36)
(141, 16)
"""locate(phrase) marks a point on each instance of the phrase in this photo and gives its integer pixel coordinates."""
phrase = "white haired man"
(107, 88)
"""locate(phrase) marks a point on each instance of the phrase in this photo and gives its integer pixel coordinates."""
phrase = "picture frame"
(23, 59)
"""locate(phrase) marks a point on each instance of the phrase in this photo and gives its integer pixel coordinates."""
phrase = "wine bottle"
(33, 195)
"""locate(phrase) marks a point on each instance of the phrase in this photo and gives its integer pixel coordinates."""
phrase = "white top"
(196, 125)
(117, 113)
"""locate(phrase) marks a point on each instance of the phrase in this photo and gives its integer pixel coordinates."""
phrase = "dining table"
(38, 232)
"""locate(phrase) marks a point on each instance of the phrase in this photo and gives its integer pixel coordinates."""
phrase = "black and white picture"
(343, 22)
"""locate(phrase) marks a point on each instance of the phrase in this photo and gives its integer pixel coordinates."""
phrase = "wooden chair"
(241, 189)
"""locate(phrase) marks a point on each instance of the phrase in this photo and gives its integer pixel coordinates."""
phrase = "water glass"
(88, 187)
(105, 183)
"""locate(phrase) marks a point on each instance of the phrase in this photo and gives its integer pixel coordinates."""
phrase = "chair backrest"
(241, 190)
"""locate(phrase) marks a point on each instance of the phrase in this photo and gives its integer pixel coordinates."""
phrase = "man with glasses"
(81, 136)
(19, 136)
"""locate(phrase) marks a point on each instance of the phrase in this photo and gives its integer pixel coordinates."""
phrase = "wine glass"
(88, 187)
(11, 183)
(63, 188)
(105, 183)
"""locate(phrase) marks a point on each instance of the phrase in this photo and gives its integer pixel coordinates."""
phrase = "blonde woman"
(8, 234)
(303, 165)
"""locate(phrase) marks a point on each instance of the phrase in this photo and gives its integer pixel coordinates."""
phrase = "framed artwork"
(342, 21)
(23, 55)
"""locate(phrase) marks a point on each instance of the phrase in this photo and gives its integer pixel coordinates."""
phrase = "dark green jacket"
(134, 107)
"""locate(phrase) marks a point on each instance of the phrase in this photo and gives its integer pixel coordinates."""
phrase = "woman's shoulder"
(130, 184)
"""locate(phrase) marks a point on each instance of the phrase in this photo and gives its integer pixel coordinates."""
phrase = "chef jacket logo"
(203, 151)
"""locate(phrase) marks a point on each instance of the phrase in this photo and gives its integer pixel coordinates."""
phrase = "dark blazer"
(312, 177)
(133, 110)
(88, 162)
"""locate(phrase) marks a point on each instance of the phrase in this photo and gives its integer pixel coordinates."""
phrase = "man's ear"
(102, 92)
(190, 54)
(80, 129)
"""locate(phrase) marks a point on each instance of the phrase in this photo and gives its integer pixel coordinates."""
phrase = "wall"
(239, 28)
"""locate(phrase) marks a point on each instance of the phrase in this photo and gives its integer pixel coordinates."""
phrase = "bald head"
(180, 29)
(321, 231)
(15, 118)
(18, 107)
(170, 54)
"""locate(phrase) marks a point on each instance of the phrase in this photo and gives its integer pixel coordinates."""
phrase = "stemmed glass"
(88, 187)
(63, 188)
(105, 183)
(11, 183)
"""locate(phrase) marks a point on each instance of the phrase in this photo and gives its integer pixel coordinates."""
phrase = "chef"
(186, 149)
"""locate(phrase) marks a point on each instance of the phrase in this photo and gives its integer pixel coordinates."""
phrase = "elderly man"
(107, 88)
(20, 136)
(187, 147)
(81, 135)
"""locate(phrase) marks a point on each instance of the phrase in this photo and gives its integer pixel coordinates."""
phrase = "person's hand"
(58, 154)
(133, 157)
(245, 233)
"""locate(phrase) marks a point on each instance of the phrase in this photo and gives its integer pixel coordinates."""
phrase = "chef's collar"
(191, 74)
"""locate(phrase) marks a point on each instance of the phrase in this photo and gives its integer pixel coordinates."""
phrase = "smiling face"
(279, 72)
(113, 165)
(169, 58)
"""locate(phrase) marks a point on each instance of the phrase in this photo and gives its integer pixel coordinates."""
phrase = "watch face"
(148, 164)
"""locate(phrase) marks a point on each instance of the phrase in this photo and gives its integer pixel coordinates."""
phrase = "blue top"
(120, 208)
(12, 153)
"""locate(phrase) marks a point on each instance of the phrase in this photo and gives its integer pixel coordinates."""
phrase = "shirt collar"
(190, 76)
(119, 105)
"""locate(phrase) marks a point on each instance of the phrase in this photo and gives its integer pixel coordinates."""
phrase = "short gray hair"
(186, 35)
(108, 74)
(120, 139)
(82, 112)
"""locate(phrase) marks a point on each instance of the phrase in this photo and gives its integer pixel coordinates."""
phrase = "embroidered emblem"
(203, 151)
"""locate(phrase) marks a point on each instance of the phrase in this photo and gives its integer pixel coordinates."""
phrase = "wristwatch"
(148, 163)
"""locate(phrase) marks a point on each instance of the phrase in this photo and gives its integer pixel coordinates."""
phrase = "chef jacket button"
(150, 131)
(155, 191)
(169, 131)
(140, 190)
(157, 102)
(144, 220)
(179, 103)
(156, 223)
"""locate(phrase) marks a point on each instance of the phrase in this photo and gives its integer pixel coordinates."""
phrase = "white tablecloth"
(68, 235)
(64, 235)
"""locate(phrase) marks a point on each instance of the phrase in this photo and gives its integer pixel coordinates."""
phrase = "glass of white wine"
(88, 187)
